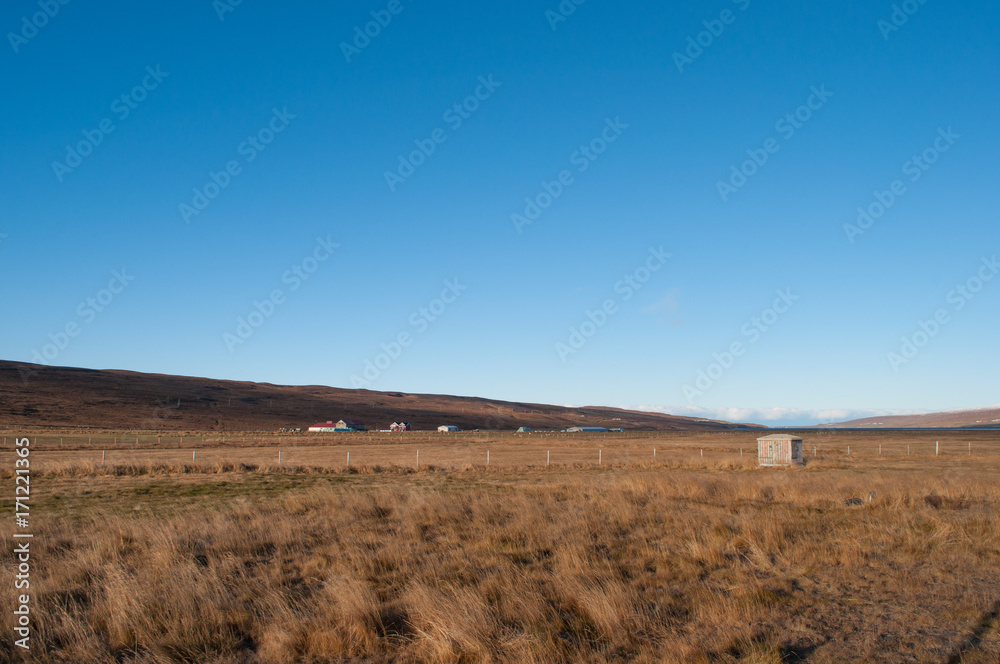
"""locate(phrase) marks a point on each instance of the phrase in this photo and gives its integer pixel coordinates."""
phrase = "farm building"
(323, 427)
(350, 425)
(779, 450)
(399, 426)
(524, 429)
(586, 430)
(447, 428)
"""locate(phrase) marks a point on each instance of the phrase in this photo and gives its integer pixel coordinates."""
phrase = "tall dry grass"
(617, 565)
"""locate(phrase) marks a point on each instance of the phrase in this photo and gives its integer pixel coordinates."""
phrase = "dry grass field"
(693, 556)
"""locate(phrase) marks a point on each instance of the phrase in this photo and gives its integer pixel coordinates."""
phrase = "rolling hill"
(975, 417)
(42, 396)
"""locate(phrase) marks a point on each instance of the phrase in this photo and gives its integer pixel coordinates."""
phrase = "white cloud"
(775, 415)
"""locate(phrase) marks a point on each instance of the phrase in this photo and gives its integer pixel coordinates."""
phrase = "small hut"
(524, 430)
(447, 428)
(779, 449)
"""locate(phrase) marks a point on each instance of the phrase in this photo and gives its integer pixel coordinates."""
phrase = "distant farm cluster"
(345, 426)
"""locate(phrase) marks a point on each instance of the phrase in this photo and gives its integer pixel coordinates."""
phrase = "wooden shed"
(779, 449)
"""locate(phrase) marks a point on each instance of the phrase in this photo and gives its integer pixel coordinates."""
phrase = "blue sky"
(480, 199)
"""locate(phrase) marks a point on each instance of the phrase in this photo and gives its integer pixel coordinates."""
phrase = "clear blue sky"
(309, 129)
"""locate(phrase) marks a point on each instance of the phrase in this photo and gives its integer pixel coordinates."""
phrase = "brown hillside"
(980, 417)
(41, 396)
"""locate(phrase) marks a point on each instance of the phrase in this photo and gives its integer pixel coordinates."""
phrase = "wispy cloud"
(777, 415)
(669, 303)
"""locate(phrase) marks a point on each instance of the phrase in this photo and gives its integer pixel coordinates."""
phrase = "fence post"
(194, 455)
(654, 452)
(487, 457)
(279, 457)
(702, 453)
(880, 449)
(348, 459)
(103, 454)
(418, 459)
(937, 447)
(600, 461)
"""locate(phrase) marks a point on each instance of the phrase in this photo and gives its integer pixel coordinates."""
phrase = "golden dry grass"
(681, 561)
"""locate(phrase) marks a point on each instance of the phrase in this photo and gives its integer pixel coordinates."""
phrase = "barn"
(447, 428)
(779, 450)
(399, 426)
(350, 425)
(586, 430)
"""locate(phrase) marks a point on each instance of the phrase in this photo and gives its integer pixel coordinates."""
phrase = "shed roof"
(780, 436)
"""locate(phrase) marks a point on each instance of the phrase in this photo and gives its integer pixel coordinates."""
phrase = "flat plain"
(196, 547)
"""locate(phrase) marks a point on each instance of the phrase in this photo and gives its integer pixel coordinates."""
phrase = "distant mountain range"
(975, 417)
(34, 395)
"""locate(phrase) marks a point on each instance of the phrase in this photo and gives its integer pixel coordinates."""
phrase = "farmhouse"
(447, 428)
(350, 425)
(323, 427)
(586, 430)
(779, 450)
(399, 426)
